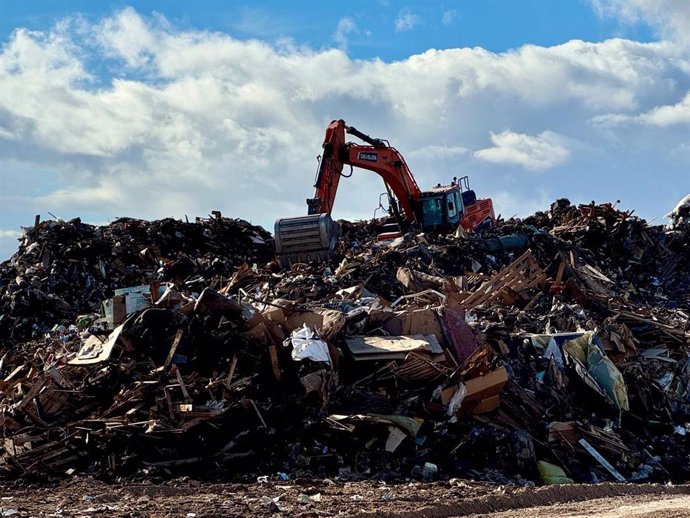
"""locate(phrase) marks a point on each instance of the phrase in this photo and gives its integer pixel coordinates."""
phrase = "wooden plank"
(183, 387)
(522, 274)
(669, 329)
(173, 348)
(256, 409)
(231, 371)
(594, 453)
(15, 372)
(168, 400)
(59, 378)
(275, 365)
(33, 392)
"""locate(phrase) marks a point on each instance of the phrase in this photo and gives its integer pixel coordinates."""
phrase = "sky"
(155, 109)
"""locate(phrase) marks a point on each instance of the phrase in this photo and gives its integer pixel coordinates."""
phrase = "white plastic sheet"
(307, 346)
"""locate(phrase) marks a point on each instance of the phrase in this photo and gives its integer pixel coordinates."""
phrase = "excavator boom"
(377, 156)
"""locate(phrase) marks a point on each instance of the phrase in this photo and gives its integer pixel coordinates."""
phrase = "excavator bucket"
(305, 238)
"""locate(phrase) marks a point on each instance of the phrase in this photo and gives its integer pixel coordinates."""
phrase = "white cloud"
(436, 151)
(12, 235)
(406, 21)
(662, 116)
(535, 153)
(127, 35)
(449, 17)
(670, 17)
(7, 134)
(345, 26)
(669, 115)
(190, 121)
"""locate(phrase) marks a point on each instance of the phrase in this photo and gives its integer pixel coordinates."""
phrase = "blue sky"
(496, 25)
(155, 109)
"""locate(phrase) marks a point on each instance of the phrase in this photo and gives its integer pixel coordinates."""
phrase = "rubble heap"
(63, 269)
(552, 349)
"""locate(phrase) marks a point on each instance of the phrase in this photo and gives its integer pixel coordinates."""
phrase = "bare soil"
(637, 506)
(85, 497)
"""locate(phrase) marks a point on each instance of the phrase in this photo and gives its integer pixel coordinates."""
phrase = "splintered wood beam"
(275, 365)
(183, 387)
(231, 371)
(256, 409)
(173, 348)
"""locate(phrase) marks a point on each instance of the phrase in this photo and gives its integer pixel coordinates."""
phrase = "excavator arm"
(330, 170)
(377, 156)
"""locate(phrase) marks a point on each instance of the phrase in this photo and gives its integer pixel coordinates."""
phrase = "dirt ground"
(638, 506)
(83, 497)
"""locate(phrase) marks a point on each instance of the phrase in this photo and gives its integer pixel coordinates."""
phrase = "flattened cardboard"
(95, 351)
(391, 347)
(417, 322)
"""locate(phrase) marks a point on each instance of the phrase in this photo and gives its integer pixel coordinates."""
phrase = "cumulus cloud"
(176, 122)
(662, 116)
(670, 17)
(535, 153)
(128, 36)
(669, 115)
(406, 21)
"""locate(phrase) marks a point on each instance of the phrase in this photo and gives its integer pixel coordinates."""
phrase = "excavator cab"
(447, 206)
(441, 207)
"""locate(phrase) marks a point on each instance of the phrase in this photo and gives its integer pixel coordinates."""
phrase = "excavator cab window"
(433, 212)
(458, 201)
(469, 198)
(452, 211)
(454, 208)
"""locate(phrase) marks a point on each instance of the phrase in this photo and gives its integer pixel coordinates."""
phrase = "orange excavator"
(442, 208)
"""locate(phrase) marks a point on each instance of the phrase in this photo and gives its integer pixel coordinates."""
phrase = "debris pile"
(64, 269)
(547, 350)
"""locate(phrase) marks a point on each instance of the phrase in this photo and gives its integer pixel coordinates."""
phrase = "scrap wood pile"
(551, 349)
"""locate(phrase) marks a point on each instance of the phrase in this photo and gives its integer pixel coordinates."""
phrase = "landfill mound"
(548, 350)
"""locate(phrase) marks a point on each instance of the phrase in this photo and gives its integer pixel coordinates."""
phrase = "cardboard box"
(417, 322)
(483, 392)
(136, 297)
(114, 310)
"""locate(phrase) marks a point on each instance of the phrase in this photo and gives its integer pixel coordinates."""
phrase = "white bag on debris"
(679, 214)
(307, 346)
